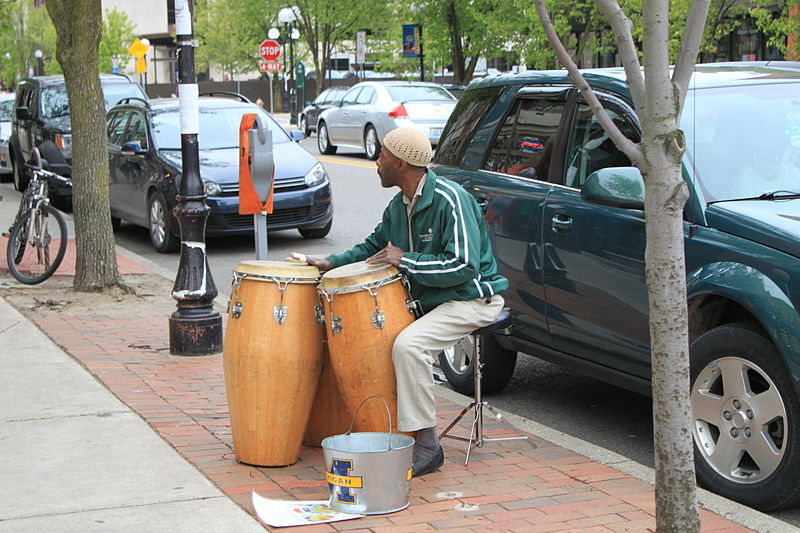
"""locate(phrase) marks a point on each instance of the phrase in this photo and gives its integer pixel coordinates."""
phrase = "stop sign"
(270, 50)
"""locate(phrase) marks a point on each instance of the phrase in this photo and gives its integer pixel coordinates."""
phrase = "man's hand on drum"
(390, 254)
(320, 262)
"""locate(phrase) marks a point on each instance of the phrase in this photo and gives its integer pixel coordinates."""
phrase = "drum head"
(357, 274)
(279, 269)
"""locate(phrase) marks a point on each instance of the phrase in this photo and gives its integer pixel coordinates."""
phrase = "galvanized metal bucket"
(368, 473)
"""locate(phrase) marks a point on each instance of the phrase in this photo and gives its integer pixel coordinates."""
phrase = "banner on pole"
(410, 40)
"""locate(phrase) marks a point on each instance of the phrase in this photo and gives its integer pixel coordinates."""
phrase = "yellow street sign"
(141, 66)
(138, 49)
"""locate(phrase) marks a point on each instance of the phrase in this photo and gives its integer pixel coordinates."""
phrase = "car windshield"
(410, 93)
(219, 128)
(56, 104)
(113, 93)
(6, 106)
(743, 141)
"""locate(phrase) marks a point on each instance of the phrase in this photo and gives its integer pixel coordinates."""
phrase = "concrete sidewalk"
(103, 430)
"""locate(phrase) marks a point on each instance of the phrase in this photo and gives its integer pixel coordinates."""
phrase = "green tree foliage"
(229, 32)
(325, 24)
(23, 30)
(456, 33)
(778, 26)
(118, 34)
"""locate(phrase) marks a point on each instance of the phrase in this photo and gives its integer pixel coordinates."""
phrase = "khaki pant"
(416, 347)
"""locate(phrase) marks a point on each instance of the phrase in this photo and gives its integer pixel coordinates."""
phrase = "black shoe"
(433, 463)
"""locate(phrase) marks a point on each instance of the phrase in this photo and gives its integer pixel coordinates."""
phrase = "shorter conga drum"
(366, 307)
(329, 413)
(272, 358)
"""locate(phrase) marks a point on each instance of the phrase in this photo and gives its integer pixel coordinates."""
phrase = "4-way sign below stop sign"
(270, 50)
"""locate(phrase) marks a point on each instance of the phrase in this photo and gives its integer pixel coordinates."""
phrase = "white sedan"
(371, 109)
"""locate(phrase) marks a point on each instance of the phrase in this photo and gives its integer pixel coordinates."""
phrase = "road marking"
(339, 161)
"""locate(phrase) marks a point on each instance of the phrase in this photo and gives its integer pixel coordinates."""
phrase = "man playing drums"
(433, 231)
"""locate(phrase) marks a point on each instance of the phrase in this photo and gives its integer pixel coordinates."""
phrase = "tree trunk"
(455, 39)
(665, 195)
(78, 28)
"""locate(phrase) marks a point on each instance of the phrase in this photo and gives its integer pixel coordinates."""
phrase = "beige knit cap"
(410, 145)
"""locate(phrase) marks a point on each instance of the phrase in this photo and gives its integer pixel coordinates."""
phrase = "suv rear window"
(467, 116)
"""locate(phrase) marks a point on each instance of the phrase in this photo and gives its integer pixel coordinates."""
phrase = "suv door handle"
(562, 223)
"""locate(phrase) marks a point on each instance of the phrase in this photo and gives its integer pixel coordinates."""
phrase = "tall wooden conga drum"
(329, 413)
(272, 359)
(366, 307)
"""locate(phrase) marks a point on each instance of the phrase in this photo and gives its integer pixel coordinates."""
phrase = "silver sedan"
(371, 109)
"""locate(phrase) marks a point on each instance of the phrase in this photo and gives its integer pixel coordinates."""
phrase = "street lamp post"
(288, 16)
(39, 62)
(195, 328)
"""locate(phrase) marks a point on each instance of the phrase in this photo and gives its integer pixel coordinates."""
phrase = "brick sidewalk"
(508, 486)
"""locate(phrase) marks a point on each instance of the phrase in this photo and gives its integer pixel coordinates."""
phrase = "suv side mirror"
(615, 186)
(297, 135)
(134, 148)
(22, 113)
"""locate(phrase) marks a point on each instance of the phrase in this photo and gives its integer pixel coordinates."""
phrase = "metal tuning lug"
(378, 319)
(279, 313)
(336, 324)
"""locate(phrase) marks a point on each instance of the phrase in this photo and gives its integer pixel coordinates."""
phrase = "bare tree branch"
(621, 26)
(630, 148)
(692, 35)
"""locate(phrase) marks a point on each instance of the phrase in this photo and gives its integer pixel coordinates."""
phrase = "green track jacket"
(448, 255)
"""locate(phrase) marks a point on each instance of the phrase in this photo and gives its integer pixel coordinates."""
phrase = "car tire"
(21, 178)
(161, 237)
(744, 402)
(316, 233)
(372, 146)
(304, 125)
(115, 223)
(323, 141)
(458, 365)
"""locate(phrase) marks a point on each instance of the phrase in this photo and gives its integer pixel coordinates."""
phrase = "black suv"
(565, 213)
(41, 120)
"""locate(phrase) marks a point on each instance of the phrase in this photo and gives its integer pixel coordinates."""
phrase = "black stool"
(476, 436)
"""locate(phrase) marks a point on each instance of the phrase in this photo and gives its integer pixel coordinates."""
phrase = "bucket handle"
(388, 413)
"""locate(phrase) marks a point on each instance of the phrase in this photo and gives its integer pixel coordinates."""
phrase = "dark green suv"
(564, 209)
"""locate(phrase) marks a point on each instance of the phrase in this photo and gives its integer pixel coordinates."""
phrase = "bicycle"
(37, 240)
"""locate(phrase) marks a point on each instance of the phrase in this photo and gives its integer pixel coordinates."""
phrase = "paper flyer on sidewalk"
(282, 513)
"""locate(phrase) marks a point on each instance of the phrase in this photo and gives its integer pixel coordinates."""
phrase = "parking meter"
(256, 171)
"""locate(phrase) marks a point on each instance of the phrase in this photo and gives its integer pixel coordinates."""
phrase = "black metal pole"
(292, 88)
(421, 57)
(195, 328)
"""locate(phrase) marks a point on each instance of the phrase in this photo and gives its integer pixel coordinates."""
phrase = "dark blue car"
(145, 171)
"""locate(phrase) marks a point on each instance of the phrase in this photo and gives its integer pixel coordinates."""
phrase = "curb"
(729, 509)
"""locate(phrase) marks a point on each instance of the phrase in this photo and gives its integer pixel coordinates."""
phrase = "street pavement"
(104, 430)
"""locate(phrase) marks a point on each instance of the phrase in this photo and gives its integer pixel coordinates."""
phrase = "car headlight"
(315, 175)
(212, 188)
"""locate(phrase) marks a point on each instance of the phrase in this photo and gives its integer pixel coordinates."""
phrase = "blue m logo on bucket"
(338, 477)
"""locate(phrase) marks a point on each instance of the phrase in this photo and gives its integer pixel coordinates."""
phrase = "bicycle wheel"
(37, 245)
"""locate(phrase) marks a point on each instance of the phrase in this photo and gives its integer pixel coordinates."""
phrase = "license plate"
(435, 133)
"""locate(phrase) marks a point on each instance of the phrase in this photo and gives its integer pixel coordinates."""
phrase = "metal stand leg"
(476, 436)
